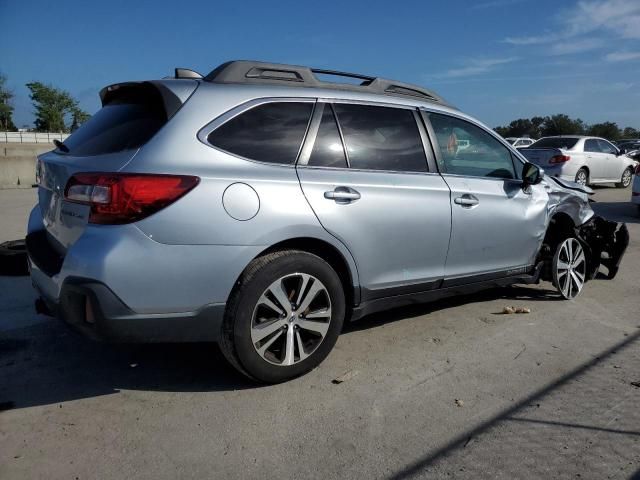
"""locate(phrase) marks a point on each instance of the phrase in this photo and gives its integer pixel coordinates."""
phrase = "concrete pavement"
(548, 394)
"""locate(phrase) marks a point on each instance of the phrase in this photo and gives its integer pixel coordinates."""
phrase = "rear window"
(271, 132)
(123, 124)
(556, 142)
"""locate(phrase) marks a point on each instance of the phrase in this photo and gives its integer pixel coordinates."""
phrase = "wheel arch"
(344, 266)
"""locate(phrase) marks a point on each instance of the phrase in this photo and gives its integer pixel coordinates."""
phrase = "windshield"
(556, 142)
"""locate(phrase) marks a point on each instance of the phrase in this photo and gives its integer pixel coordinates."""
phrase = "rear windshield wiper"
(61, 146)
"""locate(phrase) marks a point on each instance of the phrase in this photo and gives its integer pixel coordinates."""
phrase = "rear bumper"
(91, 308)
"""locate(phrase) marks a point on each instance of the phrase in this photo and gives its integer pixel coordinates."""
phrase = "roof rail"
(251, 72)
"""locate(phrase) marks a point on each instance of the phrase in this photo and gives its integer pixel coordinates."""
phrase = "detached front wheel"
(569, 268)
(284, 316)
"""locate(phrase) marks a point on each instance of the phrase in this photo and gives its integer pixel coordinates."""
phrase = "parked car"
(585, 160)
(261, 207)
(631, 149)
(520, 142)
(627, 140)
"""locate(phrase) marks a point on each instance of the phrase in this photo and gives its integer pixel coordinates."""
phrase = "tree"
(52, 105)
(630, 132)
(6, 109)
(78, 117)
(562, 124)
(608, 130)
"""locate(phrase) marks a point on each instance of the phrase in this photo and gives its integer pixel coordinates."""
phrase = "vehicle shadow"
(47, 363)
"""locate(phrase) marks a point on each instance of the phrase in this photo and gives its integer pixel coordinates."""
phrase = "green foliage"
(52, 105)
(562, 124)
(78, 117)
(6, 109)
(607, 130)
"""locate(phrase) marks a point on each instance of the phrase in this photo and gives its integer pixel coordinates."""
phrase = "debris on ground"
(345, 376)
(459, 402)
(510, 310)
(635, 384)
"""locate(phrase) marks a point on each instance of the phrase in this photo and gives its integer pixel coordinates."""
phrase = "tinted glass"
(327, 149)
(591, 145)
(556, 142)
(606, 147)
(381, 138)
(117, 127)
(271, 132)
(468, 150)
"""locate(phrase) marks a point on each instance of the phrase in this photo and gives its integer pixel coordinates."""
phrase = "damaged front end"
(605, 243)
(571, 215)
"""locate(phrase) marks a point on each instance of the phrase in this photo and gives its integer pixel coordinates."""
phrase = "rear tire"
(283, 316)
(626, 178)
(582, 177)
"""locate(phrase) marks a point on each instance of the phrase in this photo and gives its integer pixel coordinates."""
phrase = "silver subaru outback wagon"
(261, 207)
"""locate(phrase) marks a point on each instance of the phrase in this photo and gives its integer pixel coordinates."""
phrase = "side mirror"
(531, 174)
(621, 151)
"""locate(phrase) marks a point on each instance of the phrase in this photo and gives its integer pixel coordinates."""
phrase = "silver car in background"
(260, 207)
(584, 160)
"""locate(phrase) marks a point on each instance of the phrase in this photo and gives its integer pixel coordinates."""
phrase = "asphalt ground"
(450, 389)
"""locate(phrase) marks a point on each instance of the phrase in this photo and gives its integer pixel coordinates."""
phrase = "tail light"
(559, 159)
(117, 198)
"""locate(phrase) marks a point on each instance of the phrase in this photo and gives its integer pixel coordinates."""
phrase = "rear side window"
(271, 132)
(591, 145)
(468, 150)
(381, 138)
(118, 126)
(327, 149)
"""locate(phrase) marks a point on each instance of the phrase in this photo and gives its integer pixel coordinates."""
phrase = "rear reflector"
(117, 198)
(559, 159)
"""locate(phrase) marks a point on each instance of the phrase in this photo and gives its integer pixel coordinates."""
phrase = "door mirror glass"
(531, 174)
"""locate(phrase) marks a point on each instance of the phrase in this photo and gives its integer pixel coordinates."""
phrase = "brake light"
(559, 159)
(117, 198)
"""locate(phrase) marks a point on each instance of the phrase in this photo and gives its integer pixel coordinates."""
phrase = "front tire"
(569, 268)
(283, 317)
(626, 178)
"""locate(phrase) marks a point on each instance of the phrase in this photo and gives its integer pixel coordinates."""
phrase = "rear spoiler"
(171, 93)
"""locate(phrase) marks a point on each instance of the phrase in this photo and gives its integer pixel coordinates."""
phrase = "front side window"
(327, 149)
(271, 132)
(381, 138)
(466, 149)
(591, 145)
(606, 147)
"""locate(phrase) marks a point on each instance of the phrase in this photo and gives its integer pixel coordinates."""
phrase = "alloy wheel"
(581, 177)
(291, 319)
(626, 178)
(570, 267)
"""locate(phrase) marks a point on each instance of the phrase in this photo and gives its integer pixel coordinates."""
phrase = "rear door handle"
(342, 195)
(466, 200)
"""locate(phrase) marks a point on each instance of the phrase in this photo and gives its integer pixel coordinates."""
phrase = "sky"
(497, 60)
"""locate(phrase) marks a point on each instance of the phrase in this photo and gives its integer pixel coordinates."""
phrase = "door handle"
(342, 195)
(466, 200)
